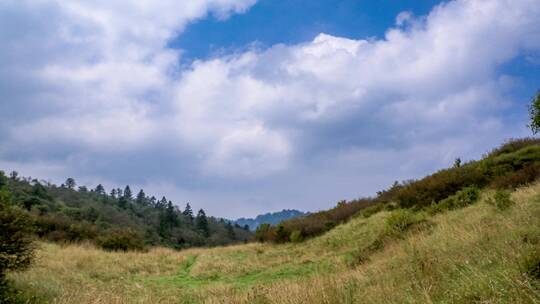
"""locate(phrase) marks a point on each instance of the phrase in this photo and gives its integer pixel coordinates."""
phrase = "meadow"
(476, 254)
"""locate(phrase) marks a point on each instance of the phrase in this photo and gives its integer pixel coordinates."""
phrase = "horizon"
(240, 109)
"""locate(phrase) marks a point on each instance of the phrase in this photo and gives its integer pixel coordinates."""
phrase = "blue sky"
(293, 21)
(243, 107)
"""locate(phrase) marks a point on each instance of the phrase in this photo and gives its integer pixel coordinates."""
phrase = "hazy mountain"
(269, 218)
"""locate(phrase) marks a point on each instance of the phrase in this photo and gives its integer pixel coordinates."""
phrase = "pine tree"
(141, 198)
(188, 212)
(202, 223)
(113, 193)
(99, 189)
(127, 193)
(172, 217)
(162, 203)
(153, 201)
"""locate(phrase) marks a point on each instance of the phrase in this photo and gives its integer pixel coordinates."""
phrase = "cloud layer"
(92, 90)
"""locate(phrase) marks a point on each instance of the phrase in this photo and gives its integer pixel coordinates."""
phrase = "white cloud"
(89, 77)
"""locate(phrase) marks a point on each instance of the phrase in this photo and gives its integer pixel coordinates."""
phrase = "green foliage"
(70, 183)
(369, 211)
(401, 220)
(16, 249)
(121, 240)
(463, 198)
(65, 215)
(264, 233)
(282, 235)
(296, 236)
(202, 223)
(501, 200)
(534, 113)
(514, 179)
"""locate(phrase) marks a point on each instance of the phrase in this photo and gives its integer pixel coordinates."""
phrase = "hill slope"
(476, 254)
(273, 218)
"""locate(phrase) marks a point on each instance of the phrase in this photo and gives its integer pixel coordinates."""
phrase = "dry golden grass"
(473, 255)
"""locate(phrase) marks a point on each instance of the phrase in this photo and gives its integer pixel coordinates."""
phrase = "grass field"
(478, 254)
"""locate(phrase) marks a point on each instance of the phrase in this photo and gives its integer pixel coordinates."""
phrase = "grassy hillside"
(476, 254)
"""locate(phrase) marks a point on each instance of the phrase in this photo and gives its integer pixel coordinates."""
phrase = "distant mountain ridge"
(272, 218)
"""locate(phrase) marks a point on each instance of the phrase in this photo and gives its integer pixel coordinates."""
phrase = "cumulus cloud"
(90, 85)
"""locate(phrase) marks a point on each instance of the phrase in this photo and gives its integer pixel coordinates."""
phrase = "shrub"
(514, 145)
(121, 240)
(60, 228)
(16, 250)
(369, 211)
(282, 235)
(501, 200)
(264, 233)
(512, 180)
(401, 220)
(465, 197)
(296, 236)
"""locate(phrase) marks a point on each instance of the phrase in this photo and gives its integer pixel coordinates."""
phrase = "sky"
(244, 107)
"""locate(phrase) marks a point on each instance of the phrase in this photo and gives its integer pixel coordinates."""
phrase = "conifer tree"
(202, 223)
(188, 212)
(141, 198)
(127, 193)
(99, 189)
(113, 193)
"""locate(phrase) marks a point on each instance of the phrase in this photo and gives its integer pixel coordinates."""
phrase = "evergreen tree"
(113, 193)
(99, 189)
(141, 198)
(202, 223)
(162, 203)
(172, 217)
(127, 193)
(123, 202)
(188, 212)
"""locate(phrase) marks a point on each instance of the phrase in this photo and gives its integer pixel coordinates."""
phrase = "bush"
(121, 240)
(512, 180)
(369, 211)
(465, 197)
(16, 249)
(401, 220)
(296, 236)
(501, 200)
(514, 145)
